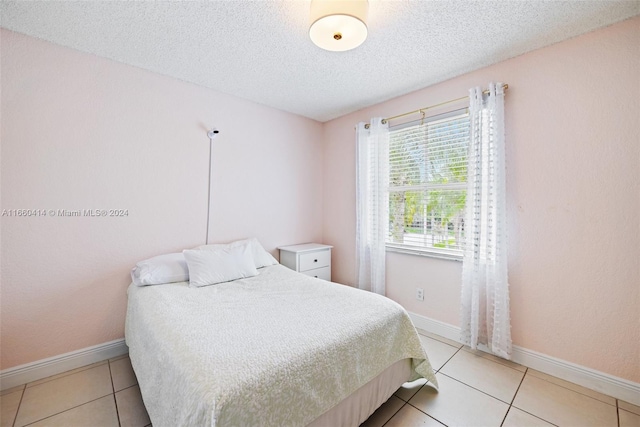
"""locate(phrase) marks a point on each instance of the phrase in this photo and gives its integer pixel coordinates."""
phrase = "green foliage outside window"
(427, 183)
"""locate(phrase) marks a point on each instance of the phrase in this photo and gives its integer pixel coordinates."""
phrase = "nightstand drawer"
(313, 260)
(323, 273)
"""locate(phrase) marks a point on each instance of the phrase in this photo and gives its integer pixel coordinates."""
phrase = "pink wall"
(84, 132)
(81, 132)
(573, 184)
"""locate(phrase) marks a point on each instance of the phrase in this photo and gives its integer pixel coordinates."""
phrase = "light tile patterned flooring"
(476, 389)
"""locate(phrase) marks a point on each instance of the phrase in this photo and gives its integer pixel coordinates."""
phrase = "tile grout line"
(526, 368)
(12, 390)
(477, 389)
(524, 374)
(115, 402)
(535, 416)
(136, 384)
(527, 412)
(576, 391)
(62, 412)
(447, 361)
(113, 388)
(434, 372)
(430, 416)
(394, 414)
(482, 357)
(15, 418)
(505, 415)
(514, 396)
(443, 342)
(65, 374)
(436, 420)
(416, 392)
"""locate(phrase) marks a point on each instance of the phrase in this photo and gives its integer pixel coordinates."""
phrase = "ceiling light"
(338, 25)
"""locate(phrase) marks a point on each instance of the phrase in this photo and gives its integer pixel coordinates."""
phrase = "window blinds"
(427, 183)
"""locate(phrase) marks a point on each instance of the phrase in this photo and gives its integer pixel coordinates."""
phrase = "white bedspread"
(278, 349)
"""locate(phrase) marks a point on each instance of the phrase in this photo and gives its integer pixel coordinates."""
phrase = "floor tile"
(407, 390)
(383, 413)
(122, 374)
(12, 390)
(495, 358)
(518, 418)
(9, 407)
(562, 406)
(490, 377)
(575, 387)
(439, 338)
(628, 419)
(457, 404)
(409, 416)
(437, 351)
(61, 394)
(629, 407)
(99, 413)
(131, 408)
(64, 374)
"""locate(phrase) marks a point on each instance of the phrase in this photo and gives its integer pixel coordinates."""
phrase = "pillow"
(261, 257)
(209, 267)
(167, 268)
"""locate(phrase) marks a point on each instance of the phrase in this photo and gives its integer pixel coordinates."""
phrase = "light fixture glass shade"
(338, 25)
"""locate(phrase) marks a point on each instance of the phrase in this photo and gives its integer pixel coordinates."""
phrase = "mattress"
(277, 349)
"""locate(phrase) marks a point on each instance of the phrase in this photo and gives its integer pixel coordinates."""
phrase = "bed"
(276, 349)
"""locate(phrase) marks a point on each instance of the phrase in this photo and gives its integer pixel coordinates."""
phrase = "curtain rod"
(422, 110)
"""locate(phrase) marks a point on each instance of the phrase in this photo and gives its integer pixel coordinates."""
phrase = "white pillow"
(167, 268)
(261, 257)
(208, 267)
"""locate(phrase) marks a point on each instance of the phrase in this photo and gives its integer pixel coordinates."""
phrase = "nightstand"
(312, 259)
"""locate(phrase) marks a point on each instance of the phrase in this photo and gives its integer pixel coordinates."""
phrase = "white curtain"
(485, 315)
(372, 203)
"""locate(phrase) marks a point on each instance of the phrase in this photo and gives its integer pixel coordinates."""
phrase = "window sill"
(429, 253)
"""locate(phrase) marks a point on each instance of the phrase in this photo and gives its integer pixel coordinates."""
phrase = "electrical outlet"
(420, 294)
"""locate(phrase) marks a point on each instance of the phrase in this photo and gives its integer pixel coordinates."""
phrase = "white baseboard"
(610, 385)
(44, 368)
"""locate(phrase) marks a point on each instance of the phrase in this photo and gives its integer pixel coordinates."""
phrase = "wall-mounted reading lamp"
(212, 134)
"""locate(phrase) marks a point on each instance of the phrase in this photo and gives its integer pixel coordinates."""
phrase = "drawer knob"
(315, 260)
(315, 277)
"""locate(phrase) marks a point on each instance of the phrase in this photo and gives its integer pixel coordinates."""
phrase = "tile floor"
(477, 389)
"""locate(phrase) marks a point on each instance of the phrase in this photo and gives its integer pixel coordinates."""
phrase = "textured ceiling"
(260, 50)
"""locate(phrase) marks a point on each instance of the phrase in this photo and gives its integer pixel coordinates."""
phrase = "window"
(428, 185)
